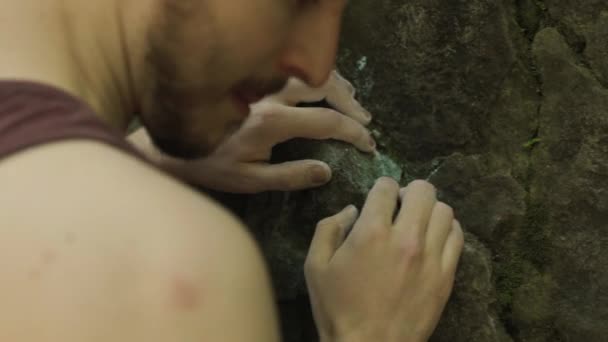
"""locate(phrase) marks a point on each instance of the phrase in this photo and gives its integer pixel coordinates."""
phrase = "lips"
(244, 99)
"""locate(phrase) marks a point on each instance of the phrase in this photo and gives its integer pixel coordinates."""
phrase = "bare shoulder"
(104, 241)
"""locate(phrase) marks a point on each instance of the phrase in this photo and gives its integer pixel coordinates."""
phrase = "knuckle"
(371, 233)
(416, 227)
(411, 249)
(269, 115)
(329, 113)
(312, 269)
(376, 231)
(333, 118)
(444, 210)
(333, 122)
(284, 183)
(251, 186)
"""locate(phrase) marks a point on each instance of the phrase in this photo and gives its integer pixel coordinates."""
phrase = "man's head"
(207, 60)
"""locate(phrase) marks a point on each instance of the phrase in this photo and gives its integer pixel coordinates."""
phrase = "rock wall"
(503, 105)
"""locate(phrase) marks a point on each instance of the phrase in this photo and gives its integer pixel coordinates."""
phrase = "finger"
(297, 91)
(440, 226)
(418, 200)
(329, 236)
(453, 247)
(284, 123)
(341, 96)
(289, 176)
(377, 213)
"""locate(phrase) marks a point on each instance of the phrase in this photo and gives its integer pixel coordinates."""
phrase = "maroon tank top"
(32, 114)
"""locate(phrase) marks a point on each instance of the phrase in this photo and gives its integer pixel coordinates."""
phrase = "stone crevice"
(529, 28)
(575, 41)
(577, 46)
(532, 64)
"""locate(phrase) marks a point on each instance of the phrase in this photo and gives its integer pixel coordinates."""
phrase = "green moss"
(531, 143)
(533, 241)
(509, 276)
(524, 253)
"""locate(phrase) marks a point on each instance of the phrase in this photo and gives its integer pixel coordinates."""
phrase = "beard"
(188, 105)
(178, 92)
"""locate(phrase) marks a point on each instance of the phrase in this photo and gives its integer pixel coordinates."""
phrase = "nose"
(311, 48)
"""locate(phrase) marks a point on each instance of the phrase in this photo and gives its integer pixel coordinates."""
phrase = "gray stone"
(284, 222)
(470, 315)
(570, 182)
(503, 105)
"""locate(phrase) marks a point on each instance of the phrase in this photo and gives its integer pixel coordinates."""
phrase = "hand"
(241, 163)
(337, 91)
(388, 280)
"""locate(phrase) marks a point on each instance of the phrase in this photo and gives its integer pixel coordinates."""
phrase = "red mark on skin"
(48, 256)
(185, 295)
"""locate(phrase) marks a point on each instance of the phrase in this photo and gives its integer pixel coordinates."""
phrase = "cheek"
(255, 38)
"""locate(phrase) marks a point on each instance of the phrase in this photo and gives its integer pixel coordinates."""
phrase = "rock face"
(503, 105)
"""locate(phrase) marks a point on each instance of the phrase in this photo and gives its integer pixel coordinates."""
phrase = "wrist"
(178, 168)
(357, 336)
(352, 337)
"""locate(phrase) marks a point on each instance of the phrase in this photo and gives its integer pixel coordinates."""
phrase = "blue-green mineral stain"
(357, 171)
(368, 171)
(284, 222)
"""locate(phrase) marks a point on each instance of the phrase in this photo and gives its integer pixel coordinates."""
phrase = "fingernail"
(372, 143)
(351, 215)
(367, 114)
(351, 209)
(319, 174)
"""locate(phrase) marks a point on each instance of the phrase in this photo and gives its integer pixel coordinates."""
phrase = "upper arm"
(96, 246)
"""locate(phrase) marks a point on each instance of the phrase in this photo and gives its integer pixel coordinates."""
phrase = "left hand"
(241, 163)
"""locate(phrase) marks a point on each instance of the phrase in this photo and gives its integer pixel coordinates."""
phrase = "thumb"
(292, 175)
(329, 236)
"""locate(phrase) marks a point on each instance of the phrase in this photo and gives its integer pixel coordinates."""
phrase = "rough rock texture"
(285, 235)
(504, 106)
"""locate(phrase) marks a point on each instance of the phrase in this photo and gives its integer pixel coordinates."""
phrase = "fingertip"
(351, 210)
(363, 115)
(368, 144)
(372, 143)
(351, 214)
(320, 173)
(367, 116)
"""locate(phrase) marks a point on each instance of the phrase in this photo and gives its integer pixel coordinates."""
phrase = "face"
(208, 60)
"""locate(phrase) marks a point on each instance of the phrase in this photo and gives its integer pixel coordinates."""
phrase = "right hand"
(389, 280)
(241, 163)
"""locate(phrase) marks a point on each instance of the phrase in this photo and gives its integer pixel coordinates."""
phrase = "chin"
(179, 148)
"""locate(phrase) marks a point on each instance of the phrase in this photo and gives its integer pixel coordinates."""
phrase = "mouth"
(244, 99)
(249, 92)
